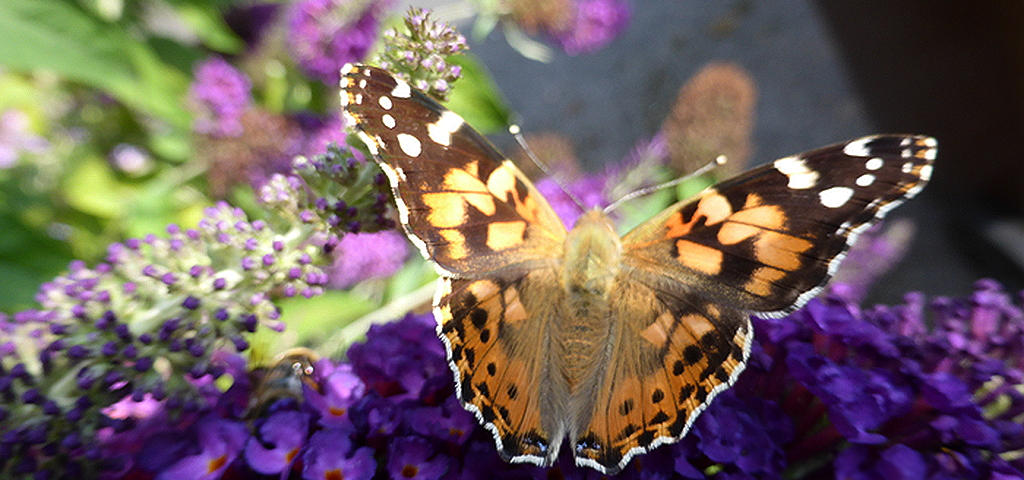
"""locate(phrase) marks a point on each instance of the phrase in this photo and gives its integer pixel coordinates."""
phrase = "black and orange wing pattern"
(615, 345)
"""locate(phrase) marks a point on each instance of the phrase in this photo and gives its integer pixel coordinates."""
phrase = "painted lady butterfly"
(616, 344)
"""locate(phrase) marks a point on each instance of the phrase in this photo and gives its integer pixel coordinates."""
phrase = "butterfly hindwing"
(497, 332)
(468, 209)
(673, 353)
(767, 240)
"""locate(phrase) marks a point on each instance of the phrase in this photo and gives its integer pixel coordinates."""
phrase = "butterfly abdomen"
(591, 262)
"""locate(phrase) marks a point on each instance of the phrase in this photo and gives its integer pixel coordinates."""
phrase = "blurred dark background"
(825, 72)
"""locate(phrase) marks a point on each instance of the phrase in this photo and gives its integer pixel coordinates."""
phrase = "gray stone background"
(607, 101)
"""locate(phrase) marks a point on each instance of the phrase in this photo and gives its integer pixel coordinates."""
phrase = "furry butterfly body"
(611, 345)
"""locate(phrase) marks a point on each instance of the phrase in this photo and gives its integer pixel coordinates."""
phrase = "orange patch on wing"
(504, 235)
(515, 312)
(780, 250)
(456, 243)
(714, 207)
(470, 189)
(657, 332)
(732, 233)
(473, 168)
(768, 217)
(502, 182)
(699, 257)
(447, 210)
(675, 226)
(761, 281)
(483, 288)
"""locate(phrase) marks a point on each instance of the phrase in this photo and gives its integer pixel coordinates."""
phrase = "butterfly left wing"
(768, 240)
(496, 243)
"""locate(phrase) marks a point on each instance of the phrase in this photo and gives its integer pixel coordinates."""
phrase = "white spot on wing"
(835, 197)
(385, 102)
(800, 176)
(908, 167)
(930, 153)
(874, 163)
(388, 120)
(858, 148)
(347, 69)
(402, 89)
(926, 172)
(865, 180)
(450, 121)
(441, 131)
(409, 144)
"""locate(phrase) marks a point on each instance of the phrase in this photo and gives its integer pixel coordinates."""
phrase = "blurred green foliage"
(92, 76)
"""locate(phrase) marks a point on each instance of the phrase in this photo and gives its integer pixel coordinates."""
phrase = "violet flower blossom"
(223, 95)
(832, 391)
(324, 35)
(423, 53)
(596, 23)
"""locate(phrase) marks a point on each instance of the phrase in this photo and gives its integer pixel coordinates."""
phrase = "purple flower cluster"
(589, 190)
(596, 23)
(831, 392)
(364, 256)
(223, 94)
(324, 35)
(150, 325)
(422, 53)
(347, 193)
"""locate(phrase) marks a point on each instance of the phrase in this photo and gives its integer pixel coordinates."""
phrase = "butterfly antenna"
(518, 135)
(717, 162)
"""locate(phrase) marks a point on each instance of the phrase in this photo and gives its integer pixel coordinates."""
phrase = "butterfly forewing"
(767, 240)
(467, 209)
(614, 344)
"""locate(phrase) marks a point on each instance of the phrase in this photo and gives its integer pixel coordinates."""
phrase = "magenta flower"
(341, 388)
(414, 458)
(589, 190)
(330, 456)
(278, 442)
(597, 23)
(223, 94)
(220, 442)
(324, 35)
(363, 256)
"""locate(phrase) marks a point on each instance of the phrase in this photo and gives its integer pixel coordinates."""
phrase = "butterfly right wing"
(466, 208)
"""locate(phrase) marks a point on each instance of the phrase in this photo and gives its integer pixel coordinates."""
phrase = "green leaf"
(92, 188)
(59, 36)
(476, 98)
(317, 318)
(636, 211)
(27, 259)
(207, 21)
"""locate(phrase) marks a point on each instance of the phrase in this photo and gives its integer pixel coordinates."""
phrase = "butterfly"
(612, 345)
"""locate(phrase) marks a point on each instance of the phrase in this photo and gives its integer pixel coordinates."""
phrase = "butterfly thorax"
(593, 255)
(592, 258)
